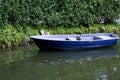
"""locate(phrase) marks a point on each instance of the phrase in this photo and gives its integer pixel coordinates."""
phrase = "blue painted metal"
(73, 45)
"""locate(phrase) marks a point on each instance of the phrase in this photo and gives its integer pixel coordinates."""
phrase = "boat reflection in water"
(66, 56)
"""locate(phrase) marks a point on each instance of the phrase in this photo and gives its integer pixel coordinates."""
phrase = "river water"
(29, 63)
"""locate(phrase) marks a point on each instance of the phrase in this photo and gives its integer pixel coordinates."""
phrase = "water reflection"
(26, 64)
(70, 56)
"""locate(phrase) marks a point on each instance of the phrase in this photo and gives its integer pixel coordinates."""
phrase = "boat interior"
(81, 37)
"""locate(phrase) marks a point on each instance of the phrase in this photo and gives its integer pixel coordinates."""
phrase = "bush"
(11, 36)
(58, 12)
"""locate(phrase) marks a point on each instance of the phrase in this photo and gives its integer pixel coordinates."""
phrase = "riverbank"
(11, 36)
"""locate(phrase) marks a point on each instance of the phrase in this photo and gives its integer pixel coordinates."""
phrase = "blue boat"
(75, 42)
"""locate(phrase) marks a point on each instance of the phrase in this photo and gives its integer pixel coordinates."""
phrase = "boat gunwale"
(96, 34)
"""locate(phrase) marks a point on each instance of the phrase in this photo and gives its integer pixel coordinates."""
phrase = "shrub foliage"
(58, 12)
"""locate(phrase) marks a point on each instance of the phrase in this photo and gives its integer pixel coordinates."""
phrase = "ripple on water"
(114, 69)
(101, 75)
(52, 62)
(117, 56)
(60, 60)
(46, 61)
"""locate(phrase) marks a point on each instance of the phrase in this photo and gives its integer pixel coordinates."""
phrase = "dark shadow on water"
(48, 56)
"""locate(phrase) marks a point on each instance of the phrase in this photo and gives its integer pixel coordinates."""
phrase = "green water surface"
(31, 64)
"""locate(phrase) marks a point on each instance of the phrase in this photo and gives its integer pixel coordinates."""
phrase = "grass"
(81, 29)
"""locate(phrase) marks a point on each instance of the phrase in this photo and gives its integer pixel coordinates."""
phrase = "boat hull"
(73, 45)
(71, 42)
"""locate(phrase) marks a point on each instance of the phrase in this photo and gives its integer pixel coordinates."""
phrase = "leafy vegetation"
(57, 17)
(58, 13)
(11, 36)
